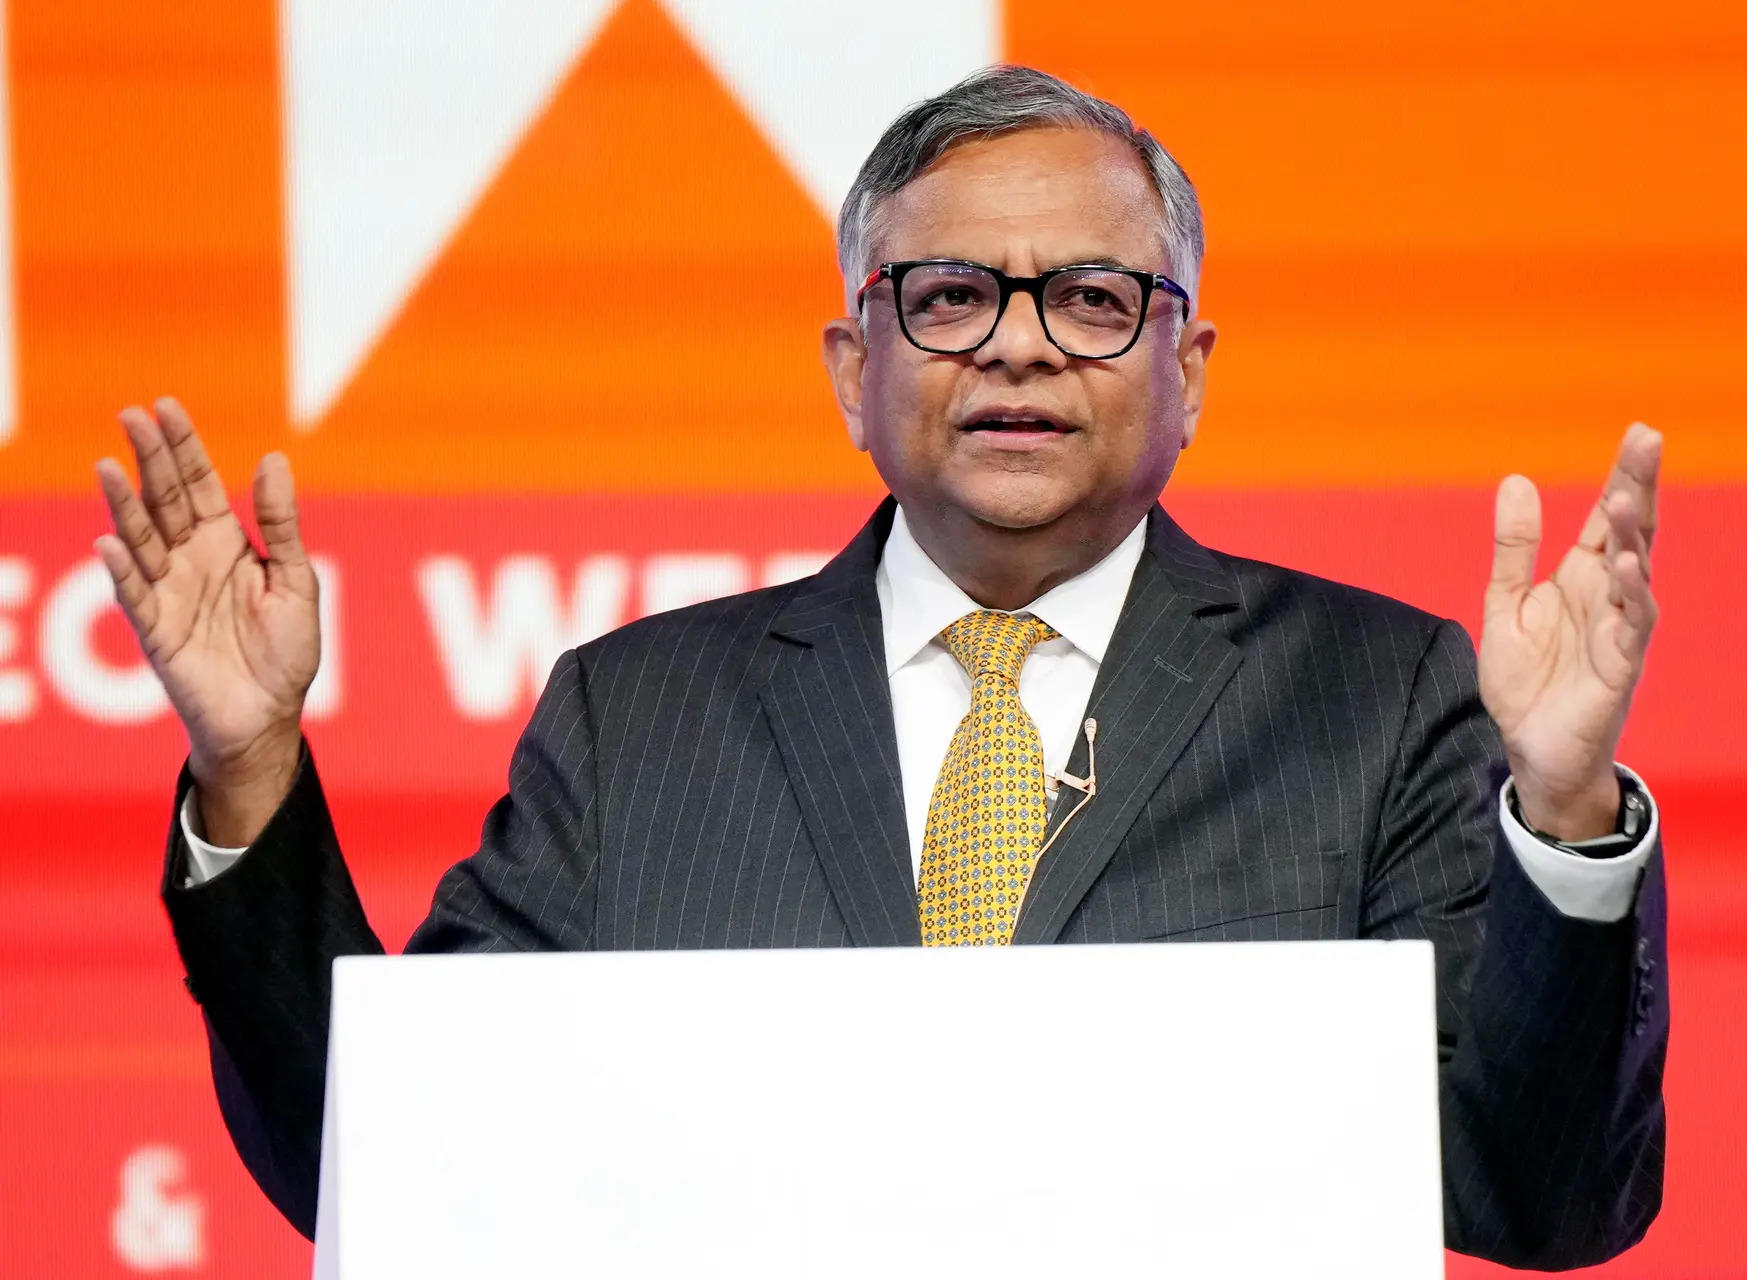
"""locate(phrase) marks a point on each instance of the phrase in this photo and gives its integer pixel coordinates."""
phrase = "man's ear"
(1194, 349)
(845, 352)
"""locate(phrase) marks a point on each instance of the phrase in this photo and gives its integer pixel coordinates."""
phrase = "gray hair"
(997, 100)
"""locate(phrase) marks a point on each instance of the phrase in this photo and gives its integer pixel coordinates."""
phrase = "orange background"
(1446, 241)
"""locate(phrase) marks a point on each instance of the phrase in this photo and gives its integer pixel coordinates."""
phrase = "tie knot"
(990, 643)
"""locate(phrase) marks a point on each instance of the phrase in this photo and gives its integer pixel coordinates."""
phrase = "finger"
(1636, 471)
(160, 484)
(1516, 541)
(1638, 609)
(1610, 541)
(288, 567)
(206, 495)
(139, 536)
(1624, 538)
(132, 591)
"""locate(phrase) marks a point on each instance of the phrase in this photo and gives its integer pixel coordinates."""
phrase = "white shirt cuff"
(204, 860)
(1597, 889)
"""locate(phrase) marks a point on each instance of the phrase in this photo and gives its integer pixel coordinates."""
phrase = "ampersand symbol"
(154, 1229)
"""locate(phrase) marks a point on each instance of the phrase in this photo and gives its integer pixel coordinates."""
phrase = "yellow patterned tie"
(987, 813)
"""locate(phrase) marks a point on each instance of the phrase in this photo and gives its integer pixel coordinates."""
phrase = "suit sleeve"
(258, 941)
(1552, 1030)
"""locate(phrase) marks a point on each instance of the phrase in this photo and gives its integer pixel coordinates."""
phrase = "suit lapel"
(1165, 666)
(830, 706)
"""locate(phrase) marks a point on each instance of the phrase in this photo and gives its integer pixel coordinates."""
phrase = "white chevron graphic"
(399, 114)
(824, 80)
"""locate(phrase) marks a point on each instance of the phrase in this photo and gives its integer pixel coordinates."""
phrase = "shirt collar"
(918, 601)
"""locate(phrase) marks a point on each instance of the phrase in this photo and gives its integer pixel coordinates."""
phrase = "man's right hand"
(234, 638)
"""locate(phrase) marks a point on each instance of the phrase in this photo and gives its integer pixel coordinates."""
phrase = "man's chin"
(1016, 502)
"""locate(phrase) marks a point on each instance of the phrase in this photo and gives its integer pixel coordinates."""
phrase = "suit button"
(1643, 1005)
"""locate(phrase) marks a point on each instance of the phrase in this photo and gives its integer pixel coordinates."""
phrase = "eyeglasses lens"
(1092, 313)
(949, 308)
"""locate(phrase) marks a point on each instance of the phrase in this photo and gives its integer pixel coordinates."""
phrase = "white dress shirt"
(931, 693)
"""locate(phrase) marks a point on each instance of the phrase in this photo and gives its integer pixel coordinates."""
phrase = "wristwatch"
(1629, 825)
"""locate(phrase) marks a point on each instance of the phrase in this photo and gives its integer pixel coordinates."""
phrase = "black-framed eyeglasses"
(951, 307)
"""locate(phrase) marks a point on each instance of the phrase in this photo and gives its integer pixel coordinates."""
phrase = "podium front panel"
(1232, 1110)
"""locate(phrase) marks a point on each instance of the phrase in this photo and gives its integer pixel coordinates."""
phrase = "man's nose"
(1019, 340)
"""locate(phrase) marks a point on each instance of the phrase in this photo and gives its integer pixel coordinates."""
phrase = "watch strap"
(1629, 825)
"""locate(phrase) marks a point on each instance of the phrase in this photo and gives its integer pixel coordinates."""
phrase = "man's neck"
(1007, 569)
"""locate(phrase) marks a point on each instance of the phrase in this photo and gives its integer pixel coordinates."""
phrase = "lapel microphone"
(1089, 783)
(1086, 786)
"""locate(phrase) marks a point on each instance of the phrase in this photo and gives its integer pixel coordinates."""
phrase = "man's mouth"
(1016, 424)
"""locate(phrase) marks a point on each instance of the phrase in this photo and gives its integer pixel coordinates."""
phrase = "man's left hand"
(1559, 659)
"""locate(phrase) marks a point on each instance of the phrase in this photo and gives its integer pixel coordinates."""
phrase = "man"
(889, 752)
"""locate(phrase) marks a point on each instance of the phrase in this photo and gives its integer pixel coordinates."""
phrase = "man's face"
(1024, 202)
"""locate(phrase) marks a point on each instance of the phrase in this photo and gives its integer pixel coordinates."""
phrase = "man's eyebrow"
(1096, 262)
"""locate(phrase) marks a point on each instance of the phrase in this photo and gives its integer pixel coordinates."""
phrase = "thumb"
(288, 567)
(1516, 540)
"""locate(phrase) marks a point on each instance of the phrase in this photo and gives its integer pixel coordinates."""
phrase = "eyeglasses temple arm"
(873, 278)
(1171, 287)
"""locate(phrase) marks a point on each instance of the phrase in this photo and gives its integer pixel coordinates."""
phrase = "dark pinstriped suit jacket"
(1279, 757)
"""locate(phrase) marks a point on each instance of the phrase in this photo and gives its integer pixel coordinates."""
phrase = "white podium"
(1212, 1110)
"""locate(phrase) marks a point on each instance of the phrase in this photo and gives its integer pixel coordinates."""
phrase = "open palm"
(232, 635)
(1559, 658)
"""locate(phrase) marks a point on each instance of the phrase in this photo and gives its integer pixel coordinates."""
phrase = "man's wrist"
(1588, 813)
(1634, 819)
(236, 802)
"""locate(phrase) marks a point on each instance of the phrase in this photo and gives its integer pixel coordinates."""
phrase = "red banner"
(443, 615)
(442, 618)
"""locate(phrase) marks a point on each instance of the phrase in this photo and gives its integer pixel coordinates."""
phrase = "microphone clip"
(1087, 785)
